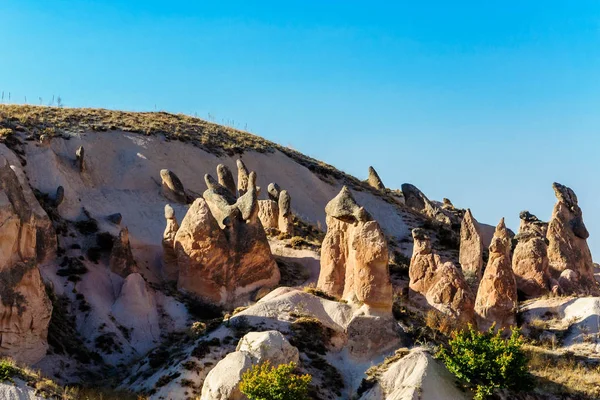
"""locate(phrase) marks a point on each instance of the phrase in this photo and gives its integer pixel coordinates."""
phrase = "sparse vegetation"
(319, 293)
(266, 382)
(486, 361)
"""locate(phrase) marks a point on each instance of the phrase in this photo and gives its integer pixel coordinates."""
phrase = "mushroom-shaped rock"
(496, 300)
(79, 158)
(273, 191)
(471, 245)
(226, 178)
(567, 244)
(374, 180)
(243, 176)
(354, 255)
(285, 222)
(170, 270)
(121, 258)
(530, 258)
(172, 187)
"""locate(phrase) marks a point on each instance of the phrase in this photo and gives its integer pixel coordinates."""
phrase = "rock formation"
(471, 245)
(59, 196)
(115, 218)
(374, 180)
(496, 300)
(243, 176)
(354, 255)
(225, 178)
(121, 257)
(416, 200)
(79, 158)
(172, 187)
(170, 272)
(567, 244)
(273, 191)
(285, 222)
(221, 247)
(268, 213)
(530, 258)
(25, 309)
(223, 381)
(423, 263)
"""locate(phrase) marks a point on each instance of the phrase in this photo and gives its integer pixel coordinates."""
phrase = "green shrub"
(265, 382)
(487, 361)
(8, 370)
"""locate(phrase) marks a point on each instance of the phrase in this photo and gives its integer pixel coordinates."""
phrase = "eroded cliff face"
(25, 309)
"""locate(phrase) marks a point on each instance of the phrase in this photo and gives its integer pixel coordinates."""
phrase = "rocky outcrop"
(354, 255)
(170, 271)
(285, 222)
(423, 263)
(121, 258)
(530, 258)
(172, 188)
(496, 301)
(268, 213)
(225, 178)
(243, 176)
(374, 180)
(416, 200)
(450, 294)
(25, 309)
(567, 244)
(471, 245)
(222, 382)
(221, 247)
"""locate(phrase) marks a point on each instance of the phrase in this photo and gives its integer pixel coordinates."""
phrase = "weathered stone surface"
(450, 294)
(121, 257)
(172, 187)
(226, 178)
(354, 256)
(374, 180)
(79, 158)
(243, 176)
(268, 213)
(372, 335)
(417, 200)
(224, 259)
(25, 309)
(170, 270)
(471, 245)
(423, 263)
(567, 245)
(496, 300)
(222, 382)
(530, 259)
(285, 223)
(273, 190)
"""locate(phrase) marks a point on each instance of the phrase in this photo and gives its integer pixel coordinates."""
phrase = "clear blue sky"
(486, 103)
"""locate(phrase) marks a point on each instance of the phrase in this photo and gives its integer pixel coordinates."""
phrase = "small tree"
(487, 361)
(265, 382)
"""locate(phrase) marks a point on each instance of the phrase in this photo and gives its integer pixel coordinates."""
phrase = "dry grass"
(564, 374)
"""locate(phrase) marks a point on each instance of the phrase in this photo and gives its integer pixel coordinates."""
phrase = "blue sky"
(486, 104)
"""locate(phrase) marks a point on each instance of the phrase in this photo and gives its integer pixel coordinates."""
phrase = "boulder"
(172, 188)
(115, 218)
(222, 382)
(268, 213)
(496, 301)
(567, 244)
(354, 256)
(170, 271)
(121, 258)
(471, 245)
(285, 222)
(225, 178)
(530, 258)
(450, 294)
(374, 180)
(243, 176)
